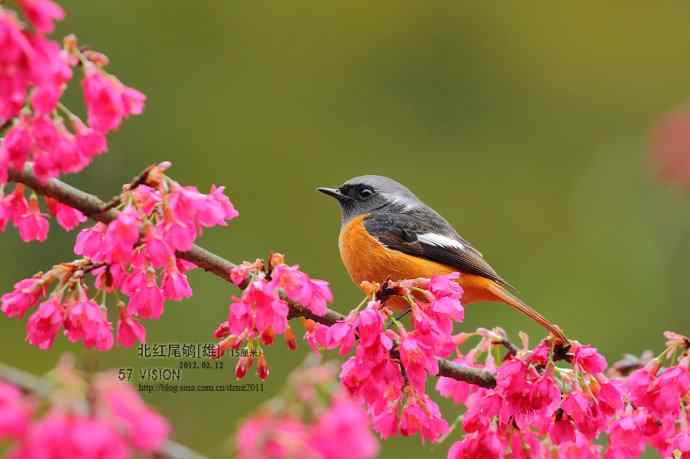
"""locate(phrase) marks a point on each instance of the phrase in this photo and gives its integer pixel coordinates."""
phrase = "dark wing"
(425, 234)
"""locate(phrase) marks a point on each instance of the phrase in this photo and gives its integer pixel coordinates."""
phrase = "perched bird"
(388, 233)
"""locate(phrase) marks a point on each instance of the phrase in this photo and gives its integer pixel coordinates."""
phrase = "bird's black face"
(365, 194)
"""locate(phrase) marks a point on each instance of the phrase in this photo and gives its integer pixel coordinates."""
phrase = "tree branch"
(31, 384)
(98, 210)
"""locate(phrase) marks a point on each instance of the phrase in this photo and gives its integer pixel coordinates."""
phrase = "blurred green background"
(525, 126)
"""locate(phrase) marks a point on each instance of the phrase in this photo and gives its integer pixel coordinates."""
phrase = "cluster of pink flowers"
(34, 72)
(527, 410)
(27, 217)
(314, 420)
(261, 312)
(30, 60)
(113, 424)
(656, 408)
(69, 307)
(537, 409)
(543, 410)
(393, 386)
(135, 254)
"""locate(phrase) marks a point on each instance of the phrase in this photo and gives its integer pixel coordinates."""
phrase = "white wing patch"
(405, 204)
(440, 240)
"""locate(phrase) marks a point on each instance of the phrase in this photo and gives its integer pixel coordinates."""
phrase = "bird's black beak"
(333, 192)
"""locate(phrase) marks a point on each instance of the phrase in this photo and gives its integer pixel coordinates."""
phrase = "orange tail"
(479, 288)
(520, 306)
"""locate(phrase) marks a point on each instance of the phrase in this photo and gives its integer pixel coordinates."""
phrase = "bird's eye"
(365, 193)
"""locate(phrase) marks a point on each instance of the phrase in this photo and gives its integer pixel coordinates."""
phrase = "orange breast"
(366, 259)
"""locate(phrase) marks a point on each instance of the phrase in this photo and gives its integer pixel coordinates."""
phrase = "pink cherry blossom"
(175, 285)
(15, 53)
(527, 396)
(421, 414)
(312, 418)
(25, 295)
(108, 101)
(50, 72)
(136, 278)
(585, 413)
(158, 251)
(17, 145)
(148, 301)
(562, 430)
(122, 234)
(239, 274)
(385, 423)
(589, 360)
(42, 13)
(446, 286)
(45, 323)
(129, 329)
(117, 425)
(321, 295)
(89, 242)
(228, 211)
(66, 216)
(478, 445)
(147, 198)
(89, 141)
(370, 325)
(608, 396)
(145, 428)
(673, 384)
(48, 144)
(314, 294)
(15, 412)
(293, 281)
(16, 203)
(317, 336)
(418, 359)
(266, 437)
(72, 436)
(32, 225)
(261, 307)
(217, 209)
(4, 175)
(109, 278)
(186, 202)
(88, 323)
(626, 437)
(346, 422)
(483, 407)
(190, 211)
(659, 393)
(342, 334)
(680, 446)
(178, 234)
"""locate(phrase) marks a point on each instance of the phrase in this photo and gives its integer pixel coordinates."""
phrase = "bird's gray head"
(364, 194)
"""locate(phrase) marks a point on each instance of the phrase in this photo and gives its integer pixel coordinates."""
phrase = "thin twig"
(95, 208)
(510, 347)
(135, 182)
(32, 384)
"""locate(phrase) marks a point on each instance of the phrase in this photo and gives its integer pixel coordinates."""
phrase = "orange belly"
(366, 259)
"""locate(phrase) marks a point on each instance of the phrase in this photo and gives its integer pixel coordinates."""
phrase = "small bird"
(388, 233)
